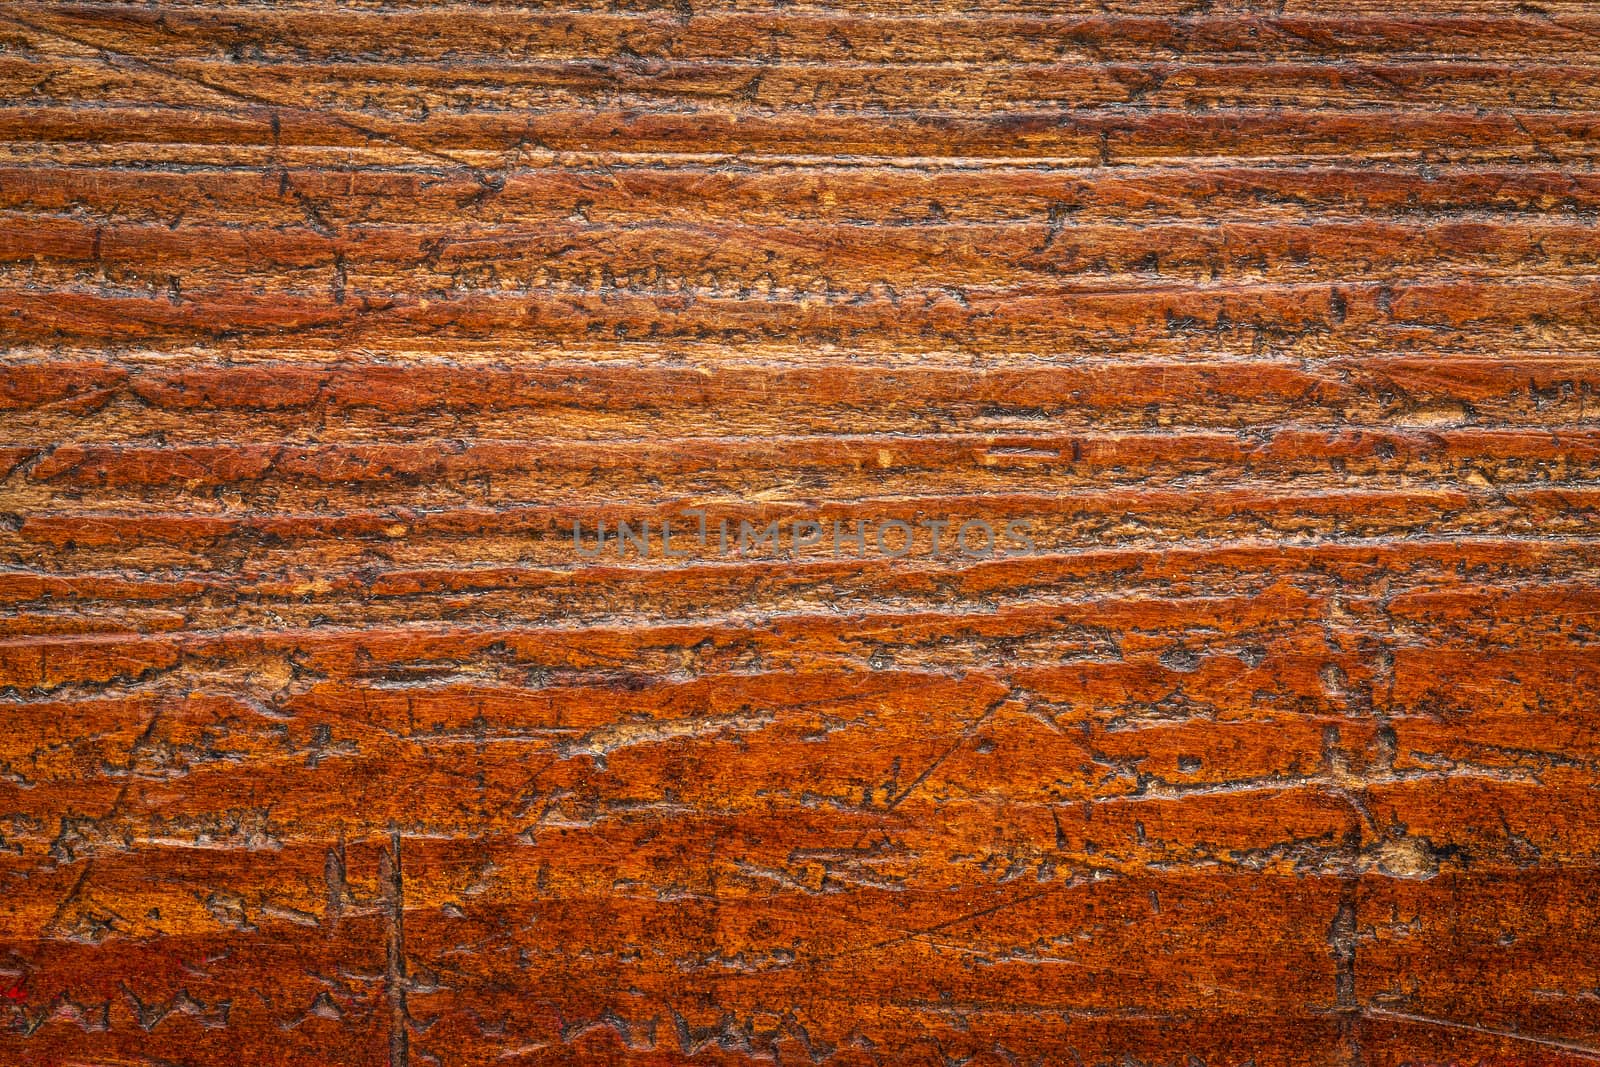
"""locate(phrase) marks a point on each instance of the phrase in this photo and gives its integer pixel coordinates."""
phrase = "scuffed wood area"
(323, 324)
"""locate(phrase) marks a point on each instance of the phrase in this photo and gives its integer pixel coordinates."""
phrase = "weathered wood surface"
(324, 322)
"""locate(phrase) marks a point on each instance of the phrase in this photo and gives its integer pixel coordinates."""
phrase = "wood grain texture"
(323, 324)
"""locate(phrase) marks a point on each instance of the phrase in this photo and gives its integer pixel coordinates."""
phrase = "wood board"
(1128, 590)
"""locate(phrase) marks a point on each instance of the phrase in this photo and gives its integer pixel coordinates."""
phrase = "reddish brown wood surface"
(322, 324)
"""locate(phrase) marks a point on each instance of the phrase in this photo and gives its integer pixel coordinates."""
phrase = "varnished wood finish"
(323, 323)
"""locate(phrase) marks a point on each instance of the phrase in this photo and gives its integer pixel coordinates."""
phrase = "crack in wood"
(391, 876)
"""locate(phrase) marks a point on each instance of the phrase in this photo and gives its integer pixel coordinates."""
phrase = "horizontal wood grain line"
(855, 751)
(772, 259)
(579, 844)
(494, 70)
(1211, 700)
(1096, 626)
(1320, 302)
(1283, 392)
(858, 192)
(577, 834)
(1111, 673)
(1017, 39)
(1178, 10)
(1351, 564)
(484, 166)
(273, 515)
(299, 599)
(1490, 314)
(1562, 452)
(489, 84)
(306, 500)
(547, 527)
(1017, 135)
